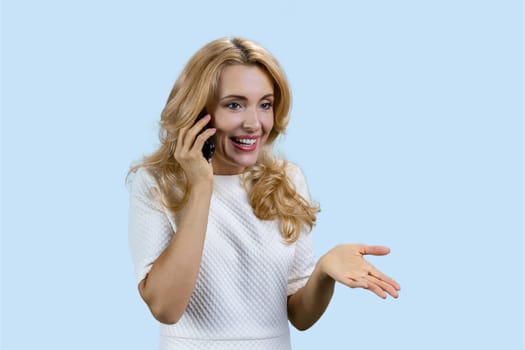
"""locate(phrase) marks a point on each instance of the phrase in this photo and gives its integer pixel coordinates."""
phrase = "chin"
(247, 161)
(233, 164)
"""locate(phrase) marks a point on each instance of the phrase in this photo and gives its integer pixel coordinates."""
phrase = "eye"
(233, 106)
(266, 105)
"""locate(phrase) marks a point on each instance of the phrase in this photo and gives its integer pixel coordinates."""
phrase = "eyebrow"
(244, 98)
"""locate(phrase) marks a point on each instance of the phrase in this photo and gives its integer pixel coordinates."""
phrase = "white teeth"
(247, 142)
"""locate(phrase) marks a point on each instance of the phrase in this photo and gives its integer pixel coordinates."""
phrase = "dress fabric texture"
(246, 273)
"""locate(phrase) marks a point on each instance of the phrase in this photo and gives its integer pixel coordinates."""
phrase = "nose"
(251, 121)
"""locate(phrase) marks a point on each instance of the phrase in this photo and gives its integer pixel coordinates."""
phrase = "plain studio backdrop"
(407, 121)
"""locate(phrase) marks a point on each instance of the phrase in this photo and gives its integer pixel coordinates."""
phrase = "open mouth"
(245, 144)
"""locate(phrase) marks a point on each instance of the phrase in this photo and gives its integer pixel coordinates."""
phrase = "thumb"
(375, 250)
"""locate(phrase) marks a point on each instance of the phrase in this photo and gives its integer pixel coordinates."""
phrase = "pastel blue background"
(407, 121)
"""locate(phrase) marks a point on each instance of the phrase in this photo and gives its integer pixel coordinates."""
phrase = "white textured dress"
(246, 273)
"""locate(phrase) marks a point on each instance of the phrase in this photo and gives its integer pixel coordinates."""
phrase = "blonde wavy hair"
(270, 191)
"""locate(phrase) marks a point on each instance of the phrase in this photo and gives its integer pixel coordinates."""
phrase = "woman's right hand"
(189, 152)
(168, 286)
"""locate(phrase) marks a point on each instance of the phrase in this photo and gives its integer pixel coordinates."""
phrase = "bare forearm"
(308, 304)
(171, 280)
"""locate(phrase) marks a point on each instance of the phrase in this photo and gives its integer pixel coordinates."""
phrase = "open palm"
(346, 264)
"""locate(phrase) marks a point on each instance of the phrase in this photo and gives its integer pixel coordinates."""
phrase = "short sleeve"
(150, 227)
(304, 258)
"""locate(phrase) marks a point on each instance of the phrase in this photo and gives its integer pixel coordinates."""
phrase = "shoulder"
(297, 178)
(294, 172)
(141, 182)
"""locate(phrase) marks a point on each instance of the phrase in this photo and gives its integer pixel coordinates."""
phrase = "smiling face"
(243, 118)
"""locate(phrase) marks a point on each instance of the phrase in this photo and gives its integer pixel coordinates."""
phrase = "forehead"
(249, 81)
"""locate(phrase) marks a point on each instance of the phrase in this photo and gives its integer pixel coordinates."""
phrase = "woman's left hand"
(346, 264)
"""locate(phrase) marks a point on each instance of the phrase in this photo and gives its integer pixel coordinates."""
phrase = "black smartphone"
(209, 145)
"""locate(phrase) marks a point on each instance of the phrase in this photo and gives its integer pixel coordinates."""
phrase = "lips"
(245, 143)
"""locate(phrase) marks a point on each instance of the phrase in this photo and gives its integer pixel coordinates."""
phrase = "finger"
(201, 123)
(384, 286)
(189, 134)
(375, 250)
(353, 283)
(183, 133)
(205, 135)
(371, 285)
(381, 276)
(375, 287)
(180, 141)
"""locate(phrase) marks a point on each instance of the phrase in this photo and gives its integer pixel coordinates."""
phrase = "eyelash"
(268, 104)
(232, 104)
(236, 106)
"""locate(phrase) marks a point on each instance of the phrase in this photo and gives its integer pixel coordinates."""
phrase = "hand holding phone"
(209, 145)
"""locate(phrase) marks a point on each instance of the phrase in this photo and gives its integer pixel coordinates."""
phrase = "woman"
(222, 246)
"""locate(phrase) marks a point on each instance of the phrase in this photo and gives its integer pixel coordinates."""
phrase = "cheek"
(221, 122)
(267, 123)
(220, 138)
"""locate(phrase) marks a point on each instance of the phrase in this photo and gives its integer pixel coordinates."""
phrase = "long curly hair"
(270, 191)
